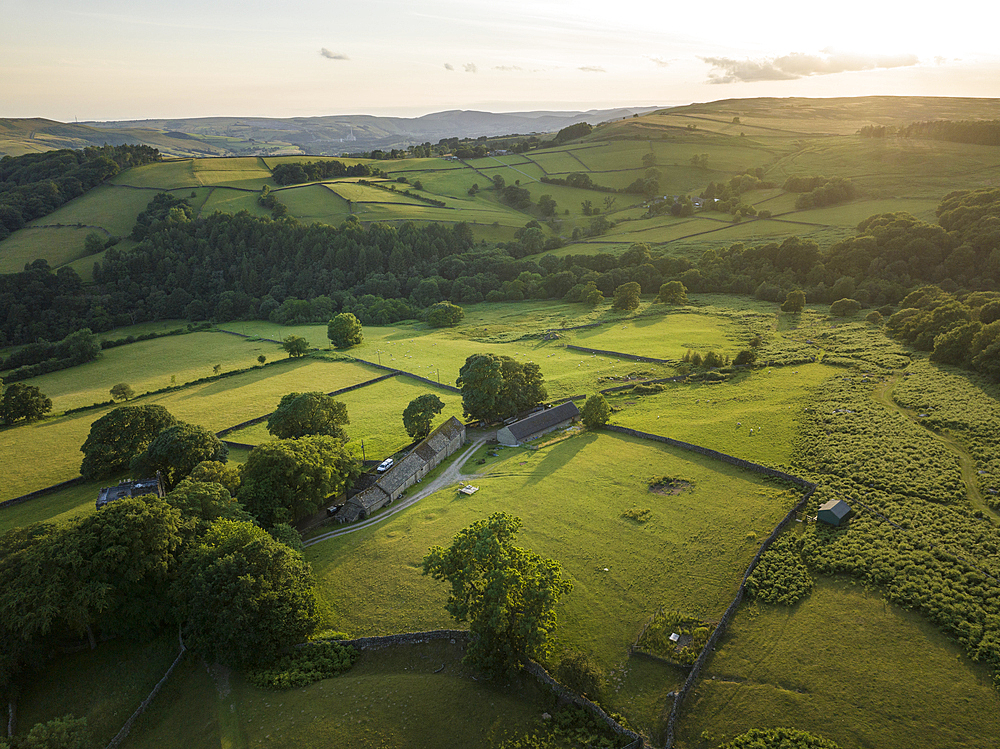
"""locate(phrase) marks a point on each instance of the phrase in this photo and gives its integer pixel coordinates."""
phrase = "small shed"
(833, 512)
(538, 424)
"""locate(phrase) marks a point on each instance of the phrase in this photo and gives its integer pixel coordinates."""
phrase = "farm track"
(449, 476)
(968, 466)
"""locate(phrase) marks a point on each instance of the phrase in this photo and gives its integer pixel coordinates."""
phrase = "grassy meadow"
(571, 496)
(392, 697)
(846, 665)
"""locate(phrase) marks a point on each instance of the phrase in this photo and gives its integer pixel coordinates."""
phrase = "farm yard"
(644, 531)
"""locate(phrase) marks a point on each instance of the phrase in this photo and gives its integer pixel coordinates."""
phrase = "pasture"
(56, 245)
(391, 697)
(49, 450)
(846, 665)
(376, 414)
(571, 496)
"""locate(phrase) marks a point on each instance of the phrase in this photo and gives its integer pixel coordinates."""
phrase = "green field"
(58, 246)
(846, 665)
(391, 698)
(376, 414)
(571, 496)
(49, 451)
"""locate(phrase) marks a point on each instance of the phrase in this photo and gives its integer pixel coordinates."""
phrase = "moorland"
(814, 286)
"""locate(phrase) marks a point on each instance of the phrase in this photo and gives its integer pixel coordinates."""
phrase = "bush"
(305, 665)
(845, 307)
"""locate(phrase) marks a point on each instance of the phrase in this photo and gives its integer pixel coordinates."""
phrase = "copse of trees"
(314, 171)
(497, 387)
(571, 132)
(289, 479)
(344, 331)
(119, 436)
(176, 450)
(35, 184)
(301, 414)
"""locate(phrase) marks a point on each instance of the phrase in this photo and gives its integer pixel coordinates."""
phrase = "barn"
(538, 424)
(833, 512)
(425, 457)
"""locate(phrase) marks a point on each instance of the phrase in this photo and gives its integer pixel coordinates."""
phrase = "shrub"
(305, 665)
(845, 307)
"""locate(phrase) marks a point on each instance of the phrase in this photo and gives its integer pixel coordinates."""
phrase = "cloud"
(660, 62)
(592, 69)
(449, 66)
(798, 65)
(470, 67)
(333, 55)
(508, 68)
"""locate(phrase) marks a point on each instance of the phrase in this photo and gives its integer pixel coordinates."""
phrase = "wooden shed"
(833, 512)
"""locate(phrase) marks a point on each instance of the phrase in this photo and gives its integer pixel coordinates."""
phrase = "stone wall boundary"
(619, 355)
(123, 733)
(404, 373)
(41, 492)
(533, 668)
(808, 487)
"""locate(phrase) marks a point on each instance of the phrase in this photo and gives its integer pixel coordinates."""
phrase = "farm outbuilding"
(538, 424)
(833, 511)
(425, 457)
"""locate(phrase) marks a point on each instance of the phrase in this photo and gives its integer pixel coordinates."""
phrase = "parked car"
(384, 466)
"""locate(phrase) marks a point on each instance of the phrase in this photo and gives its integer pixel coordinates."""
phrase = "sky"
(101, 60)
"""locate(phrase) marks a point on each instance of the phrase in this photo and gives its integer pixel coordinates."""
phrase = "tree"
(845, 307)
(176, 450)
(122, 392)
(627, 296)
(419, 415)
(206, 501)
(216, 472)
(495, 387)
(507, 594)
(66, 732)
(299, 414)
(795, 301)
(547, 205)
(745, 357)
(22, 402)
(673, 292)
(596, 411)
(444, 314)
(295, 345)
(243, 596)
(119, 436)
(344, 330)
(289, 479)
(261, 359)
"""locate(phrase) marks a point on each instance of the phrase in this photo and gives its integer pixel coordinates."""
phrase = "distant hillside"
(334, 135)
(34, 135)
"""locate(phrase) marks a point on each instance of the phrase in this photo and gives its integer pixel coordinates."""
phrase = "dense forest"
(975, 132)
(226, 267)
(34, 185)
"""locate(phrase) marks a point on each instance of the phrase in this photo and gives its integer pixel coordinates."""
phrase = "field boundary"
(695, 673)
(404, 373)
(532, 667)
(633, 357)
(123, 733)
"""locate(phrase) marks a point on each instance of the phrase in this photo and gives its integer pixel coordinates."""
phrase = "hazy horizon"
(68, 60)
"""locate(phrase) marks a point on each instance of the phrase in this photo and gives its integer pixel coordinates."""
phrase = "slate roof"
(127, 489)
(543, 420)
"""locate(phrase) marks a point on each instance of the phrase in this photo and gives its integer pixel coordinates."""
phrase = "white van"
(384, 466)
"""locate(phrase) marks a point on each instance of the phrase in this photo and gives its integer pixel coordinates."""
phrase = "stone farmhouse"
(128, 489)
(426, 456)
(538, 424)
